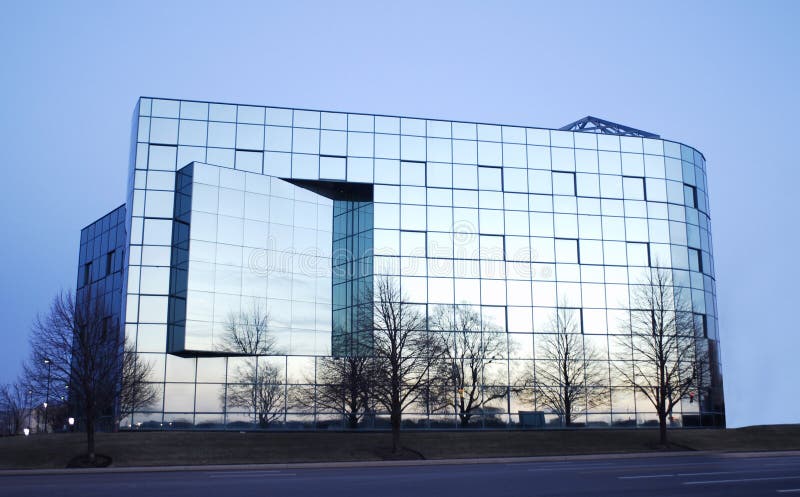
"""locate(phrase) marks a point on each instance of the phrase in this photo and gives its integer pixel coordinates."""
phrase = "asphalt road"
(706, 475)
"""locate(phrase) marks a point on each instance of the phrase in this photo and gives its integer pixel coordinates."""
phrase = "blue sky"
(720, 76)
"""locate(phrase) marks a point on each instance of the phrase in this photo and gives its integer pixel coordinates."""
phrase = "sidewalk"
(376, 464)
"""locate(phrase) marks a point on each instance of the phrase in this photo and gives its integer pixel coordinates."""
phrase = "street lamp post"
(67, 403)
(47, 396)
(30, 408)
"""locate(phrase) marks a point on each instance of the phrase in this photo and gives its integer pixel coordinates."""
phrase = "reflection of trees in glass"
(247, 332)
(403, 353)
(344, 384)
(135, 391)
(569, 373)
(660, 358)
(466, 346)
(707, 387)
(259, 388)
(255, 385)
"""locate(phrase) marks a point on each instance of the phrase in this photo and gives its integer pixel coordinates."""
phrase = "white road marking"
(249, 474)
(246, 472)
(600, 466)
(643, 476)
(742, 480)
(709, 473)
(789, 491)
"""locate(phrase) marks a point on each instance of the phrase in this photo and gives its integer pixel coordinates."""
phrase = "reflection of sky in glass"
(512, 221)
(257, 241)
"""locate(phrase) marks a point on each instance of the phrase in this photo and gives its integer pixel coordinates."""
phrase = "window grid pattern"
(101, 264)
(511, 220)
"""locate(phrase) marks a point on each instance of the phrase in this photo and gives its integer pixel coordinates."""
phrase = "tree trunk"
(662, 429)
(90, 438)
(352, 420)
(395, 431)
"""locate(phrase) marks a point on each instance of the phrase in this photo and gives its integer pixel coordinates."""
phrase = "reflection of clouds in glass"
(440, 267)
(495, 263)
(512, 245)
(410, 265)
(310, 261)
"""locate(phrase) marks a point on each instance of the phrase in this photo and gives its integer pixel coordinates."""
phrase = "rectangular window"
(701, 324)
(633, 188)
(564, 183)
(568, 320)
(695, 260)
(494, 317)
(332, 167)
(413, 243)
(567, 250)
(106, 326)
(490, 178)
(690, 195)
(638, 254)
(413, 173)
(109, 262)
(87, 273)
(492, 247)
(249, 160)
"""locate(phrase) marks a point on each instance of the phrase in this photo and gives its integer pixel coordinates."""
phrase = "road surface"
(698, 475)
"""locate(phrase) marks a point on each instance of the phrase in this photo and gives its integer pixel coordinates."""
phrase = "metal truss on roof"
(590, 124)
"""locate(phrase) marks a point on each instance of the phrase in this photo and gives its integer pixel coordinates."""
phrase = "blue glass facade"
(101, 264)
(291, 214)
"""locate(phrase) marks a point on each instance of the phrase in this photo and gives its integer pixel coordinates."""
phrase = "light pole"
(47, 396)
(30, 408)
(67, 403)
(63, 405)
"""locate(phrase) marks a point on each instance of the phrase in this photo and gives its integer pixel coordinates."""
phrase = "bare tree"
(467, 347)
(567, 377)
(403, 353)
(13, 407)
(256, 385)
(661, 359)
(343, 384)
(135, 390)
(79, 345)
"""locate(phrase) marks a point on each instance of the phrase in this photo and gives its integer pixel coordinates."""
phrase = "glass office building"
(285, 218)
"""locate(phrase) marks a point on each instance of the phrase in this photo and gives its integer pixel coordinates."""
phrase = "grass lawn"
(179, 448)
